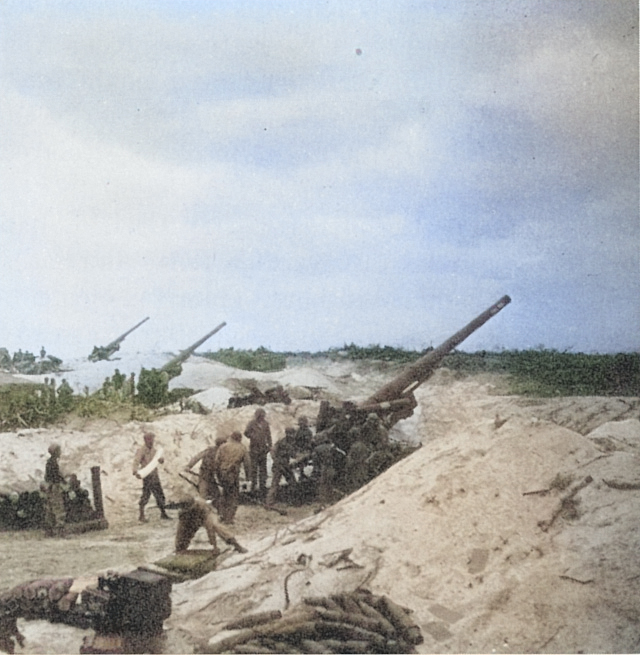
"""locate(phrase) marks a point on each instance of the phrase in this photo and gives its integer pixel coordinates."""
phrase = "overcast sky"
(318, 173)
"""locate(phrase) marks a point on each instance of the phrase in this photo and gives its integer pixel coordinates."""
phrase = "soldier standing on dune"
(151, 483)
(53, 478)
(259, 434)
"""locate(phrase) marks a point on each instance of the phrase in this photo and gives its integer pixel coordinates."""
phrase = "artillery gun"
(174, 366)
(395, 400)
(104, 352)
(153, 384)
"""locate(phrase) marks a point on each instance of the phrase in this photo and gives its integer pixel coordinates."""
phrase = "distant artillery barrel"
(185, 354)
(105, 352)
(415, 374)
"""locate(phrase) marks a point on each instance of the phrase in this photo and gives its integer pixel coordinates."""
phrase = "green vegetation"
(261, 359)
(27, 406)
(546, 373)
(540, 373)
(381, 353)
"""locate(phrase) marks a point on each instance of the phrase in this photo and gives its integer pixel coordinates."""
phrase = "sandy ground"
(453, 531)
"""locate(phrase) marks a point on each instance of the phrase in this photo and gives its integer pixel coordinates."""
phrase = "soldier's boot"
(164, 515)
(142, 517)
(236, 546)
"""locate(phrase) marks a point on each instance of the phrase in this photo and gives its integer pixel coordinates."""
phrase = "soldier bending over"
(195, 514)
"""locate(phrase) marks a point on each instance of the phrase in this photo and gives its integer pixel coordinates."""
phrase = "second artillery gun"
(100, 353)
(153, 384)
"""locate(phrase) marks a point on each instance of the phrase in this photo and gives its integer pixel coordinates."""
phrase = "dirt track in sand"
(451, 532)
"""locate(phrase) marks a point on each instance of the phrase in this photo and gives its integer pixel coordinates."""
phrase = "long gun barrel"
(105, 352)
(415, 374)
(185, 354)
(123, 336)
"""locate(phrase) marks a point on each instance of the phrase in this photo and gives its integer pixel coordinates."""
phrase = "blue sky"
(319, 173)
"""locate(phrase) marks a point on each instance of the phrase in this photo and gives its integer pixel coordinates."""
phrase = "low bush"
(261, 359)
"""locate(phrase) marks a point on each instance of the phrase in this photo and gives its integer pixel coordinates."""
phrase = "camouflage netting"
(359, 622)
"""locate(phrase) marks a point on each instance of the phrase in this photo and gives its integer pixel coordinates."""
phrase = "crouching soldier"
(197, 513)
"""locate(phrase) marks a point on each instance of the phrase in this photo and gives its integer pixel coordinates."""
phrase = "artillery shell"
(398, 646)
(59, 588)
(67, 601)
(350, 605)
(386, 627)
(345, 631)
(284, 627)
(312, 646)
(326, 602)
(399, 618)
(253, 647)
(252, 620)
(358, 620)
(284, 647)
(229, 643)
(354, 646)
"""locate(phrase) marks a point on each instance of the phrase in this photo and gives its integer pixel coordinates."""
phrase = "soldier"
(131, 386)
(303, 436)
(196, 513)
(77, 503)
(325, 416)
(118, 380)
(324, 467)
(281, 453)
(151, 483)
(357, 468)
(53, 478)
(65, 395)
(374, 434)
(303, 443)
(208, 485)
(259, 434)
(230, 456)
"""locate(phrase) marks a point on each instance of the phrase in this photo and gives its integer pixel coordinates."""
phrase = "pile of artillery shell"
(358, 622)
(19, 511)
(39, 599)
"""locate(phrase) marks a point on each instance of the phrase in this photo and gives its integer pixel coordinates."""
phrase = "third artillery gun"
(394, 401)
(153, 384)
(104, 352)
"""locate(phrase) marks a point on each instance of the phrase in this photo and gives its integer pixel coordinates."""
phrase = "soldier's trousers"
(258, 471)
(151, 485)
(279, 471)
(208, 488)
(190, 524)
(54, 509)
(230, 496)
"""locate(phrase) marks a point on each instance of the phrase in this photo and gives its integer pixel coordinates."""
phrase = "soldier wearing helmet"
(259, 434)
(54, 518)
